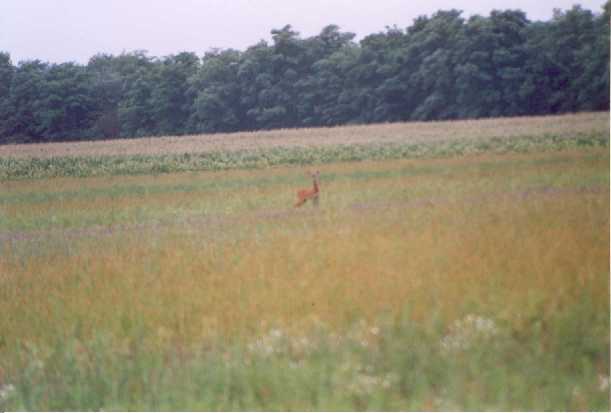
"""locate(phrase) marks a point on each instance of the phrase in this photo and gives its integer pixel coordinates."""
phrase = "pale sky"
(74, 30)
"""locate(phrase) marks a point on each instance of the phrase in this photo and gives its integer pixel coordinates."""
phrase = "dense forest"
(441, 67)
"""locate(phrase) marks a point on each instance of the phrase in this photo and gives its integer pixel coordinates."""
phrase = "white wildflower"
(6, 391)
(361, 379)
(603, 383)
(390, 379)
(275, 333)
(464, 332)
(363, 334)
(365, 383)
(302, 345)
(446, 405)
(272, 342)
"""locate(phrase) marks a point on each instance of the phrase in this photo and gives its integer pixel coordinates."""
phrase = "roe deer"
(304, 194)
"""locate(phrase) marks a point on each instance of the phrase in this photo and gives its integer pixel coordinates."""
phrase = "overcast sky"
(74, 30)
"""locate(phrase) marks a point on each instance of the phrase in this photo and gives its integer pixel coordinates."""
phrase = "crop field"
(300, 147)
(459, 270)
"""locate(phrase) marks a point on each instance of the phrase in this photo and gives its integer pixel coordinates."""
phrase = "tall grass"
(472, 283)
(416, 140)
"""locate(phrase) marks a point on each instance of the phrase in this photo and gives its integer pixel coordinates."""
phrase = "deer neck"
(315, 181)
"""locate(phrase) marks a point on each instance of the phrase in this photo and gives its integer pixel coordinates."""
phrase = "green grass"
(85, 166)
(394, 365)
(473, 280)
(198, 194)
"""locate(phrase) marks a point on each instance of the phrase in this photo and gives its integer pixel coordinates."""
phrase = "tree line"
(443, 66)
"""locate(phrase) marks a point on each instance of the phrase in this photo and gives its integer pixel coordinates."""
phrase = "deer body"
(304, 194)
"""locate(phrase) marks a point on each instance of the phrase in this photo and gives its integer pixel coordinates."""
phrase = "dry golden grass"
(508, 235)
(208, 291)
(335, 269)
(412, 132)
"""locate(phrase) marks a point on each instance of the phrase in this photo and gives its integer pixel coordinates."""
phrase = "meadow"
(446, 273)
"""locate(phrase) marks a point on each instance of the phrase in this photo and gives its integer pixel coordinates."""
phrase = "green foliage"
(6, 77)
(441, 67)
(216, 105)
(476, 363)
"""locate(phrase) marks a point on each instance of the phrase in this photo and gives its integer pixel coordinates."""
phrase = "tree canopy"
(443, 66)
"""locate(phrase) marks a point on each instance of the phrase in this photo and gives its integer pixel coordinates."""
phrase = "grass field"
(300, 147)
(474, 280)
